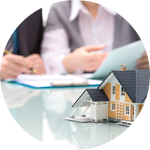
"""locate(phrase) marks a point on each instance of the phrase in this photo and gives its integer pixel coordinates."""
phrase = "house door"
(133, 113)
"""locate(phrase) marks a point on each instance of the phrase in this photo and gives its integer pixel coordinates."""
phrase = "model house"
(120, 96)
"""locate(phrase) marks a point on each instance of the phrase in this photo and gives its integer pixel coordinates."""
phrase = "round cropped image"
(79, 76)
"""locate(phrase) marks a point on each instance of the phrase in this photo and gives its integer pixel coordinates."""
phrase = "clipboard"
(53, 81)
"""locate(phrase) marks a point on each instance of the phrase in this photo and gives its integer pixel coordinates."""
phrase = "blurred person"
(77, 30)
(24, 47)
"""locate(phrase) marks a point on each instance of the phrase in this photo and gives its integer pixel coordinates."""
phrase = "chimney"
(123, 67)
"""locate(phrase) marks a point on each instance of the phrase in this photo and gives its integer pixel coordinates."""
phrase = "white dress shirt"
(93, 31)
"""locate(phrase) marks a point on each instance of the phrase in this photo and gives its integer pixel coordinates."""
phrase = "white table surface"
(40, 111)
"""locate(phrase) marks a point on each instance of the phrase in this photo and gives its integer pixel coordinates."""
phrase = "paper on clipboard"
(127, 54)
(41, 81)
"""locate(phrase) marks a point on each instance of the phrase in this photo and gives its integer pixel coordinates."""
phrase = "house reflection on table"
(90, 135)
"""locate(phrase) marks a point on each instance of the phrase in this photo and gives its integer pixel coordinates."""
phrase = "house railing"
(119, 111)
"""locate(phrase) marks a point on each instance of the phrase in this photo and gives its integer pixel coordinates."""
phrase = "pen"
(69, 84)
(32, 69)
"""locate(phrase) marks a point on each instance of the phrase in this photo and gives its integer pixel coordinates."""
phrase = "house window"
(113, 89)
(112, 107)
(122, 91)
(126, 110)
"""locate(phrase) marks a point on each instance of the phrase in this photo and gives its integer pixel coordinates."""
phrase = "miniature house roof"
(89, 95)
(134, 82)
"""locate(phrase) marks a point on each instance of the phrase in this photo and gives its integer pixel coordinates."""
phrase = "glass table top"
(40, 113)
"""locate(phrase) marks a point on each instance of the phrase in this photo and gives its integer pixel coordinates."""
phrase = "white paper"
(40, 81)
(127, 54)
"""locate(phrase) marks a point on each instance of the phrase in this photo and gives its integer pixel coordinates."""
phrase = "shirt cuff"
(79, 72)
(55, 65)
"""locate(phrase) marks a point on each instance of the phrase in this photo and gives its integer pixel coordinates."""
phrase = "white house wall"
(113, 82)
(99, 111)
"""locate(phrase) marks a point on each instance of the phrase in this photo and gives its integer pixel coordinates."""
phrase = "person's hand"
(83, 59)
(13, 65)
(143, 62)
(36, 63)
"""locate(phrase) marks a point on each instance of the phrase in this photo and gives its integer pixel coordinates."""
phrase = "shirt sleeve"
(55, 48)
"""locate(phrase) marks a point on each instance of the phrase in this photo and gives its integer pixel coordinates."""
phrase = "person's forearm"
(1, 73)
(69, 64)
(1, 77)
